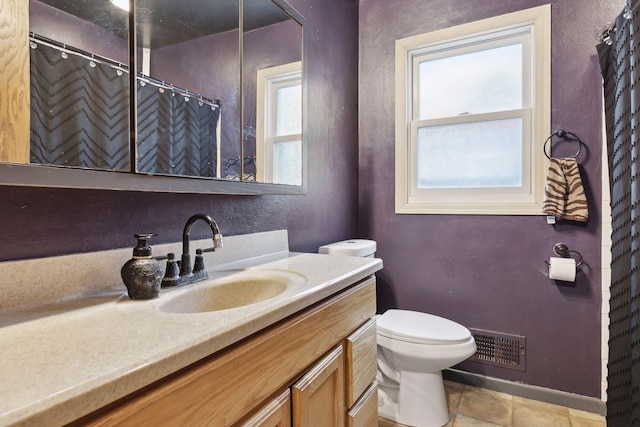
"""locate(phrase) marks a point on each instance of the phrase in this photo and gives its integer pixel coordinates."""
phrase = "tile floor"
(478, 407)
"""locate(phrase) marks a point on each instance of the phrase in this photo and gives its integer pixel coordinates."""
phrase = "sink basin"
(227, 293)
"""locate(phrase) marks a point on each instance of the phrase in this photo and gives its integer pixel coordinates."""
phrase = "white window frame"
(533, 27)
(268, 81)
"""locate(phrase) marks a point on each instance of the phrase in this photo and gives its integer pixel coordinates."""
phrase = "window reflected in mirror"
(279, 124)
(272, 94)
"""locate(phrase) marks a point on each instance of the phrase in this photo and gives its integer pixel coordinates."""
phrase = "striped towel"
(563, 194)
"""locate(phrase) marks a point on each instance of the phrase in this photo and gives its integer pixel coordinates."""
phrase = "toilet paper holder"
(563, 251)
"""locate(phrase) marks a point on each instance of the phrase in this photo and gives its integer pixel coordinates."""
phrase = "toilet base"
(422, 400)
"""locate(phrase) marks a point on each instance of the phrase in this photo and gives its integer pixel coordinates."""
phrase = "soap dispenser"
(142, 274)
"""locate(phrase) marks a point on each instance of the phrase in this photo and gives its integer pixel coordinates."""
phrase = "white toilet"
(413, 349)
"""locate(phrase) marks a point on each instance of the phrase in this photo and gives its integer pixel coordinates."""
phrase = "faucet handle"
(172, 273)
(198, 265)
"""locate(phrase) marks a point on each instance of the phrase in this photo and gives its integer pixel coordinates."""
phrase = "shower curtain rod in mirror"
(143, 79)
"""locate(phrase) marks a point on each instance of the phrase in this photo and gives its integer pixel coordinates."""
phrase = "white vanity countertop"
(62, 361)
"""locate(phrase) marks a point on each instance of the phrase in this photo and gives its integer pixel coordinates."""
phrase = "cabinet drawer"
(365, 412)
(361, 357)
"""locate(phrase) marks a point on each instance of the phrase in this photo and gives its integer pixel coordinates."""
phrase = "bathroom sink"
(237, 290)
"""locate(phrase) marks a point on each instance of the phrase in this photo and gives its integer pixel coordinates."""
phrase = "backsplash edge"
(34, 282)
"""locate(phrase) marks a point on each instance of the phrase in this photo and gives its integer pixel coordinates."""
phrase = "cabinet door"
(318, 397)
(365, 412)
(276, 413)
(362, 360)
(14, 82)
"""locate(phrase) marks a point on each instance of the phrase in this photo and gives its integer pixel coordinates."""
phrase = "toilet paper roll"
(562, 269)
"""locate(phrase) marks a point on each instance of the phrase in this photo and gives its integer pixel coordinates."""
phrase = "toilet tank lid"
(351, 247)
(415, 326)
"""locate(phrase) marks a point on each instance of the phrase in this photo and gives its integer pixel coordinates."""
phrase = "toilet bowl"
(413, 349)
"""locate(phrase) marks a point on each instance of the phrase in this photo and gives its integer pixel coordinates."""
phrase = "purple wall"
(36, 222)
(488, 272)
(209, 66)
(55, 24)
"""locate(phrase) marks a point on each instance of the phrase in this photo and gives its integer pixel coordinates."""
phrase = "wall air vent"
(498, 349)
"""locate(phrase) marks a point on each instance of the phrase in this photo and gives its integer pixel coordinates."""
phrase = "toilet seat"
(420, 328)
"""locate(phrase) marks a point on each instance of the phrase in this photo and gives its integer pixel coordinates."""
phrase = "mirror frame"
(48, 176)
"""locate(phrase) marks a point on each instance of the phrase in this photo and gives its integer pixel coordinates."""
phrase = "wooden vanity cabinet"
(248, 384)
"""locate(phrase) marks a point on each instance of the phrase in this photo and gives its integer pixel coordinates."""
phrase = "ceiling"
(165, 22)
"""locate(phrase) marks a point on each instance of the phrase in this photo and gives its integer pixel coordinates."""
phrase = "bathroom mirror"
(188, 87)
(272, 93)
(79, 85)
(161, 28)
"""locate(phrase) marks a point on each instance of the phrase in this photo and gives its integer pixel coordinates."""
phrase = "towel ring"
(562, 134)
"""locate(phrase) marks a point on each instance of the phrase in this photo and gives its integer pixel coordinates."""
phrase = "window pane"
(289, 114)
(478, 82)
(479, 154)
(287, 162)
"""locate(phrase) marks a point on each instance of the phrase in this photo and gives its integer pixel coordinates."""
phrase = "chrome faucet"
(187, 274)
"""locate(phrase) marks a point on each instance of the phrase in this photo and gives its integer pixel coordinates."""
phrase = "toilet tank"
(351, 247)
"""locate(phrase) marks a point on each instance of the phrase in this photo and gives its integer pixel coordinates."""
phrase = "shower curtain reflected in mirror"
(79, 111)
(177, 135)
(80, 118)
(619, 59)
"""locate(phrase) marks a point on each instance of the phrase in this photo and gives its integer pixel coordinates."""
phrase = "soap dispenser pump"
(142, 274)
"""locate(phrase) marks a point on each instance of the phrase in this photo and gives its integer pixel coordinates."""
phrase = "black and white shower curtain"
(620, 64)
(80, 118)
